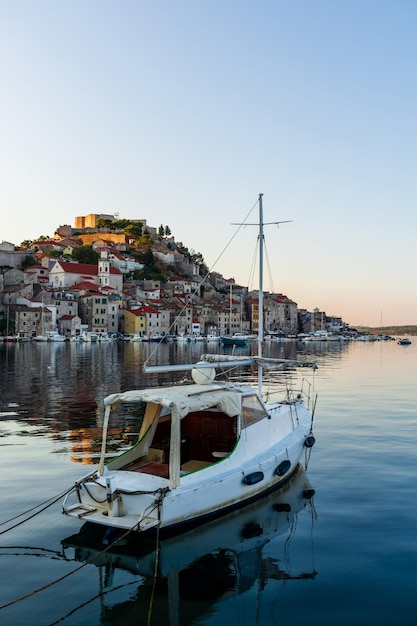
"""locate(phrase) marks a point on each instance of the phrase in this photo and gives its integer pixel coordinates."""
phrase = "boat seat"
(219, 454)
(220, 448)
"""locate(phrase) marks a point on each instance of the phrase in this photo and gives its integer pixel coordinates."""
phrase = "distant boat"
(204, 447)
(40, 338)
(158, 338)
(211, 337)
(181, 337)
(89, 336)
(54, 335)
(404, 341)
(234, 340)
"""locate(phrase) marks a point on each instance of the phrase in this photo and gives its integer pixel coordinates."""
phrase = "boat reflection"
(186, 575)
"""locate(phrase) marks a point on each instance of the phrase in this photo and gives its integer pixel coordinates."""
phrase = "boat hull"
(126, 500)
(233, 341)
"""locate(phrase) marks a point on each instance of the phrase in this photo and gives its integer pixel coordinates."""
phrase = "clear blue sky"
(181, 112)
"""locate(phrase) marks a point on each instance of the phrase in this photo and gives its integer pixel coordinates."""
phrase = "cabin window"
(252, 410)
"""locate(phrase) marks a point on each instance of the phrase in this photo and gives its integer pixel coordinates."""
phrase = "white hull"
(271, 516)
(182, 489)
(56, 337)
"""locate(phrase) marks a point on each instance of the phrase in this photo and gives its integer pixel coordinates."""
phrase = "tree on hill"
(150, 271)
(27, 243)
(28, 261)
(105, 223)
(134, 230)
(85, 254)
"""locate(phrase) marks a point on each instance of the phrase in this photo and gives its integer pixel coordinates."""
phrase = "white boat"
(136, 338)
(40, 338)
(103, 336)
(89, 336)
(203, 448)
(53, 335)
(211, 337)
(183, 338)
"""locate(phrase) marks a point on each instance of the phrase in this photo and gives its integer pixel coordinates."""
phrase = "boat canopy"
(180, 401)
(185, 399)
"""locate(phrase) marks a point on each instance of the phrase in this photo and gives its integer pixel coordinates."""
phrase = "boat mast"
(261, 225)
(261, 292)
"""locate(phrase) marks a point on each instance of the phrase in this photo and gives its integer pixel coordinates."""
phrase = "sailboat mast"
(261, 292)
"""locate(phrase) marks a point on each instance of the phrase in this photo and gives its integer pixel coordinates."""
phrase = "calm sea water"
(347, 555)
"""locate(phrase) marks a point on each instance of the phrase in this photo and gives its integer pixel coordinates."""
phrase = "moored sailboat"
(204, 447)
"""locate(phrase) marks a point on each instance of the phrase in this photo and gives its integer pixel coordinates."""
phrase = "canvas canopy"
(185, 399)
(180, 401)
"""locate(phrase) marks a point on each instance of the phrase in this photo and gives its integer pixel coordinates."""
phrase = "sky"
(182, 112)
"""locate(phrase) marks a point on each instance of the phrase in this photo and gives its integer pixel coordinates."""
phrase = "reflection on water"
(362, 466)
(61, 386)
(186, 575)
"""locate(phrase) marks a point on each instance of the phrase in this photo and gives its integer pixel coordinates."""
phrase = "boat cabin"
(199, 427)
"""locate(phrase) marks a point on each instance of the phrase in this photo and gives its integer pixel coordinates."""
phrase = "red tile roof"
(84, 268)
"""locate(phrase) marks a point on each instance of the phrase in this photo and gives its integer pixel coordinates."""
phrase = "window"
(252, 410)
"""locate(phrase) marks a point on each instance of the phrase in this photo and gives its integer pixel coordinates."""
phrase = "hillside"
(388, 330)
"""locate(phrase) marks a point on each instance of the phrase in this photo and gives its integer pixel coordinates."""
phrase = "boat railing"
(308, 394)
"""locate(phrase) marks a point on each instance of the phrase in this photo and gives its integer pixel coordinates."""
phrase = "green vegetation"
(85, 254)
(388, 330)
(151, 271)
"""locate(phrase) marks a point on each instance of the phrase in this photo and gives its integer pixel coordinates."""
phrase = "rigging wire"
(271, 280)
(205, 278)
(251, 280)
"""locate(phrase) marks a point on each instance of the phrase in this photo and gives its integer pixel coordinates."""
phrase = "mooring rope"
(42, 504)
(91, 560)
(155, 574)
(68, 574)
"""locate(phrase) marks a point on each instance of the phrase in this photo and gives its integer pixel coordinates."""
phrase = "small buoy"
(283, 467)
(310, 441)
(252, 479)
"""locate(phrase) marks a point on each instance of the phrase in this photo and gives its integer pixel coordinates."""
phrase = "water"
(345, 556)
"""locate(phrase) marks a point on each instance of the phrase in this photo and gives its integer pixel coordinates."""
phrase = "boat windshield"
(252, 410)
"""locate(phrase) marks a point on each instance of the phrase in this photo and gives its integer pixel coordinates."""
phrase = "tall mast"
(261, 292)
(261, 225)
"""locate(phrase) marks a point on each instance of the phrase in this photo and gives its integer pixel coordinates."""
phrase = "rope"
(89, 561)
(87, 602)
(155, 574)
(34, 514)
(61, 578)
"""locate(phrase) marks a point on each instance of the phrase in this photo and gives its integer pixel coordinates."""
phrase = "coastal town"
(110, 278)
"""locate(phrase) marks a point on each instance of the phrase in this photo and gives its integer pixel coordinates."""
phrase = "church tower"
(104, 269)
